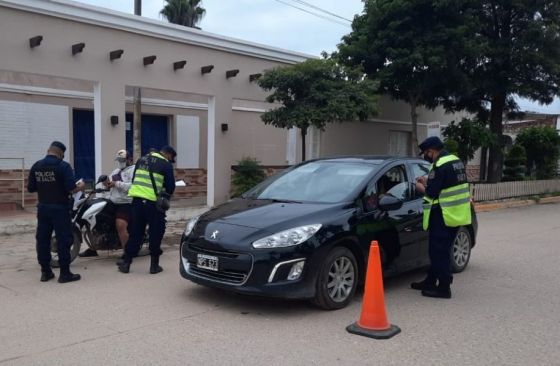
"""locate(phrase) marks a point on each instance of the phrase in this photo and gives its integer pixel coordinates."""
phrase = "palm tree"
(183, 12)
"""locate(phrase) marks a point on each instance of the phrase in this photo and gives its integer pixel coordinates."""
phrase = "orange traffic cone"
(373, 322)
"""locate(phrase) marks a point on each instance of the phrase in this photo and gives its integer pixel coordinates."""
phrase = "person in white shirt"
(119, 183)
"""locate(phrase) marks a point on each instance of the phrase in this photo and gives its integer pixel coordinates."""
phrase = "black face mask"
(428, 158)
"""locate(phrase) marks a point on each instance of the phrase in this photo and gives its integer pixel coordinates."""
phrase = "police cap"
(432, 142)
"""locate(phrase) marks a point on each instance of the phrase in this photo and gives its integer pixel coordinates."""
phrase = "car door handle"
(408, 229)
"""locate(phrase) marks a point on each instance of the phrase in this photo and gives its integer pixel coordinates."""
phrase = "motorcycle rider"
(119, 183)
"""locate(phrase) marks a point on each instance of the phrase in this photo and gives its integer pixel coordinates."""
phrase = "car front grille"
(234, 278)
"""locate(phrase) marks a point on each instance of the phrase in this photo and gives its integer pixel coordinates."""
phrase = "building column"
(219, 159)
(108, 100)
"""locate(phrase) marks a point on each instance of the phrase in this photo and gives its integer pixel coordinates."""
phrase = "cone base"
(371, 333)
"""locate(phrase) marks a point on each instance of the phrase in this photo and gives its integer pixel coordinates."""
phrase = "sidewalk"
(21, 222)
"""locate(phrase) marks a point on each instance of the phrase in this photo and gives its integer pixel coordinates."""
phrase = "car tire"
(337, 280)
(461, 250)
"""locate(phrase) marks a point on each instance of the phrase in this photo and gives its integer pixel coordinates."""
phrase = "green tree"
(470, 136)
(314, 93)
(515, 164)
(412, 47)
(543, 150)
(183, 12)
(514, 48)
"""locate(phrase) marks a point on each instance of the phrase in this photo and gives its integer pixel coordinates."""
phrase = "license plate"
(208, 262)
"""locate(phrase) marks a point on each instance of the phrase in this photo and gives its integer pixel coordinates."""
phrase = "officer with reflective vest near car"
(447, 207)
(153, 182)
(53, 179)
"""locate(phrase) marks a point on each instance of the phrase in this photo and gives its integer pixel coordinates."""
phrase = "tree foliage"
(511, 49)
(317, 92)
(542, 145)
(412, 47)
(470, 136)
(183, 12)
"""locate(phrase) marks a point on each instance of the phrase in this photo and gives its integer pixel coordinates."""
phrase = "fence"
(21, 179)
(498, 191)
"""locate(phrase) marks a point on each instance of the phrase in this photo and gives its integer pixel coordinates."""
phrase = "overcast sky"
(273, 23)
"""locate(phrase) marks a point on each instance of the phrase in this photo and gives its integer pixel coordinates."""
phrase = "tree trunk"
(303, 134)
(483, 164)
(496, 156)
(137, 121)
(414, 131)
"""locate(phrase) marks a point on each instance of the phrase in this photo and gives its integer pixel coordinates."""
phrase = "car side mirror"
(390, 203)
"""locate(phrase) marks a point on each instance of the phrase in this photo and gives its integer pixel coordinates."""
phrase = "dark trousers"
(144, 213)
(53, 217)
(441, 239)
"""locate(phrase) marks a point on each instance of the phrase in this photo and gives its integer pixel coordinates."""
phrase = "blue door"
(84, 144)
(155, 132)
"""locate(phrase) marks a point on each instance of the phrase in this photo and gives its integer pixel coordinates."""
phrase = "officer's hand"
(421, 180)
(110, 184)
(420, 188)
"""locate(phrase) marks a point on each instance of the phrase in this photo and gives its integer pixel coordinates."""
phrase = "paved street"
(504, 311)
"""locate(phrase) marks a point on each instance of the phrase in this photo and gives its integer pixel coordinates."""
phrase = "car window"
(318, 181)
(393, 182)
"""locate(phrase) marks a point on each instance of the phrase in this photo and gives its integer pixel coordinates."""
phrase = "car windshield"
(318, 181)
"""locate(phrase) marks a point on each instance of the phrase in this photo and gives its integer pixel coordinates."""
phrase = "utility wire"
(305, 3)
(313, 13)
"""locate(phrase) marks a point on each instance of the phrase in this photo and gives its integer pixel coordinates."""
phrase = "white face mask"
(121, 164)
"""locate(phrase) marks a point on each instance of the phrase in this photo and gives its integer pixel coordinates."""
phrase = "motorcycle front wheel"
(74, 249)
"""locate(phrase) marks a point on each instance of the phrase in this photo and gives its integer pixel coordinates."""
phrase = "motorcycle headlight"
(287, 238)
(190, 226)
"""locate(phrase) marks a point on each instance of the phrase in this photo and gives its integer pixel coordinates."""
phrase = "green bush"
(515, 164)
(248, 173)
(542, 145)
(451, 145)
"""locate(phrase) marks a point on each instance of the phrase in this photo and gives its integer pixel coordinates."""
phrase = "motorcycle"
(93, 222)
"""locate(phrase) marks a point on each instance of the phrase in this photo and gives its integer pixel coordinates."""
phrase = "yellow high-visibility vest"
(455, 201)
(142, 184)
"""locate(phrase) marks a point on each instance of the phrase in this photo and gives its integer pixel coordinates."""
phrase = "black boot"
(426, 283)
(46, 274)
(442, 291)
(124, 267)
(88, 253)
(154, 265)
(67, 276)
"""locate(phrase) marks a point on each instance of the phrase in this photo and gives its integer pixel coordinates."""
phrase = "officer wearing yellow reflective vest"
(153, 176)
(446, 207)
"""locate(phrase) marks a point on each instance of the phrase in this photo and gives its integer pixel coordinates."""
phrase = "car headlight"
(287, 238)
(190, 226)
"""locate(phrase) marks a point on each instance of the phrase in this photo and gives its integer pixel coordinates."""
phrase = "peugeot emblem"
(215, 235)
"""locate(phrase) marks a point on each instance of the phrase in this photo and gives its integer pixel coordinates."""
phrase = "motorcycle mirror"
(102, 178)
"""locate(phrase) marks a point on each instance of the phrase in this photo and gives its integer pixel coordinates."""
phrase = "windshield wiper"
(278, 200)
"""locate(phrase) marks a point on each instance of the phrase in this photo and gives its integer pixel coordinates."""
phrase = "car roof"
(371, 159)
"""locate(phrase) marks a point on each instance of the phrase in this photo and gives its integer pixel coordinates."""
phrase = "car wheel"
(461, 252)
(337, 280)
(74, 249)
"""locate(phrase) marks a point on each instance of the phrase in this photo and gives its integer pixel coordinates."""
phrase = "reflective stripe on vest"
(455, 202)
(142, 184)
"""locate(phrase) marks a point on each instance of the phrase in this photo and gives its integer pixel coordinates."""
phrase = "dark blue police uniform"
(442, 237)
(53, 180)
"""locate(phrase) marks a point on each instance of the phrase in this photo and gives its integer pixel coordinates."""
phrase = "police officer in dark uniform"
(53, 180)
(446, 208)
(153, 176)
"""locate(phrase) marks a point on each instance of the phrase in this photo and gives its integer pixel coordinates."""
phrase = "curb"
(27, 224)
(493, 206)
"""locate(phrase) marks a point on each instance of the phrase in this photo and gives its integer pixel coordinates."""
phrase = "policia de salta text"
(53, 179)
(152, 186)
(447, 206)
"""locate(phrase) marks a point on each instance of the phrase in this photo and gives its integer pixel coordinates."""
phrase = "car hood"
(262, 214)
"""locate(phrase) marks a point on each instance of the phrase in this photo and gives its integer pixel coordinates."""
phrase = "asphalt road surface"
(505, 310)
